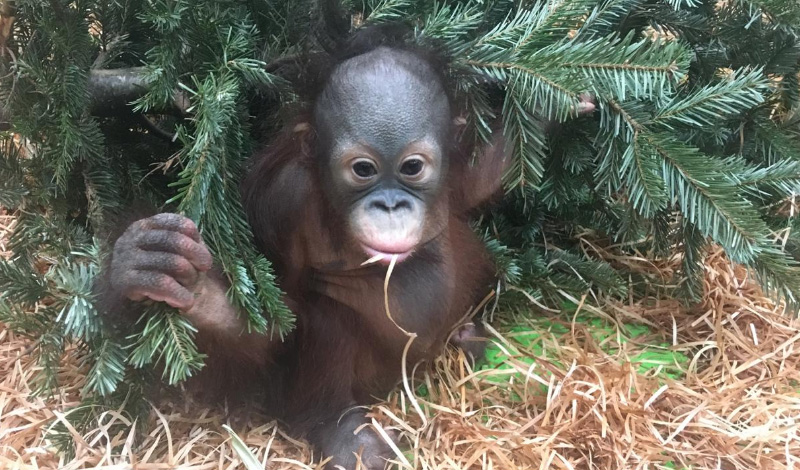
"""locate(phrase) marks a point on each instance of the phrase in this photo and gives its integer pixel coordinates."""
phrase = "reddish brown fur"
(346, 350)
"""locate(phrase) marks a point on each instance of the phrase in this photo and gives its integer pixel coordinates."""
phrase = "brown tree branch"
(111, 91)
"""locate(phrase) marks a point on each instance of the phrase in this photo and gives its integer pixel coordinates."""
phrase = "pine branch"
(506, 264)
(693, 262)
(12, 182)
(384, 11)
(779, 274)
(774, 143)
(215, 145)
(646, 187)
(739, 92)
(605, 17)
(620, 68)
(525, 135)
(510, 33)
(782, 177)
(166, 337)
(679, 4)
(552, 21)
(20, 284)
(592, 273)
(48, 353)
(630, 161)
(20, 321)
(777, 12)
(77, 313)
(451, 26)
(480, 113)
(209, 159)
(107, 368)
(689, 24)
(708, 199)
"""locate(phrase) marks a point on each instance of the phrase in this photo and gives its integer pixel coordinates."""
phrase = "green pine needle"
(167, 338)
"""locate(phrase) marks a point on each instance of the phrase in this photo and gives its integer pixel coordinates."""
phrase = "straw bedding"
(565, 393)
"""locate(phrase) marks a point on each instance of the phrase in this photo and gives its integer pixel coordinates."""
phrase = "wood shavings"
(564, 402)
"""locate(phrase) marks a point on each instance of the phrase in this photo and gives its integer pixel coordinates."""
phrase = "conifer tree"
(108, 103)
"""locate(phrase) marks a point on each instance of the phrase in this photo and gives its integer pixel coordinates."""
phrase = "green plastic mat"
(650, 358)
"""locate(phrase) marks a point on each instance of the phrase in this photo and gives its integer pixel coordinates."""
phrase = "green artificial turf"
(653, 358)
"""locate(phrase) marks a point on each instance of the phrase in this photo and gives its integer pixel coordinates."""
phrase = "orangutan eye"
(412, 167)
(364, 169)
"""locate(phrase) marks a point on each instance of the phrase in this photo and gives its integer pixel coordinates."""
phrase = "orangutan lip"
(385, 257)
